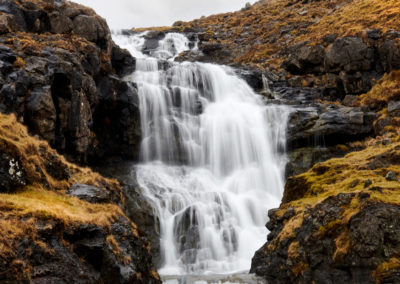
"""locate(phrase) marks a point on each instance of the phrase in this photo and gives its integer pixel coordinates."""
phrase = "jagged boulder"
(305, 59)
(335, 224)
(350, 54)
(47, 234)
(328, 125)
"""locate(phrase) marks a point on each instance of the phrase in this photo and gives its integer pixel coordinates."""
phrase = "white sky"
(146, 13)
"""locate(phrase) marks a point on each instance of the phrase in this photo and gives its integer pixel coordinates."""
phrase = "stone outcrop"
(349, 65)
(329, 125)
(337, 222)
(47, 234)
(80, 253)
(136, 206)
(59, 72)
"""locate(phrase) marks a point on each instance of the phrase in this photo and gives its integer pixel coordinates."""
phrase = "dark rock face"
(54, 83)
(84, 253)
(323, 251)
(122, 61)
(329, 125)
(136, 207)
(348, 66)
(90, 193)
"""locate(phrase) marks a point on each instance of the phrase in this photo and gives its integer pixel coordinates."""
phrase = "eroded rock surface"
(57, 64)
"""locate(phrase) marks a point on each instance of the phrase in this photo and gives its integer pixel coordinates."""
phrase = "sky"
(124, 14)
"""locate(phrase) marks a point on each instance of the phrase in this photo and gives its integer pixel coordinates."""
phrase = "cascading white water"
(212, 159)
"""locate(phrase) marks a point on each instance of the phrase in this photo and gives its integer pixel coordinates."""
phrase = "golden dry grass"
(337, 176)
(268, 26)
(385, 90)
(35, 201)
(44, 198)
(383, 268)
(19, 214)
(356, 17)
(34, 154)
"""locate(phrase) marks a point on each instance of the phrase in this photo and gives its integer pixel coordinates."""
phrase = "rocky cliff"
(338, 221)
(60, 222)
(60, 76)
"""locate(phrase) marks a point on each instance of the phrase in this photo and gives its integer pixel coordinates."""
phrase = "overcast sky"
(146, 13)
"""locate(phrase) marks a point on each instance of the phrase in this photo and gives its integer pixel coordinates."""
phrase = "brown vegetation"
(38, 159)
(256, 36)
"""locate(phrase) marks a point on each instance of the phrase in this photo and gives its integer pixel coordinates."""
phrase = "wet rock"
(254, 78)
(315, 253)
(328, 125)
(303, 159)
(152, 41)
(116, 120)
(56, 92)
(374, 34)
(90, 193)
(136, 207)
(122, 61)
(391, 176)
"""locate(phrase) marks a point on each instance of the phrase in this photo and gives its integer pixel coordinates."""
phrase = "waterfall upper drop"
(212, 159)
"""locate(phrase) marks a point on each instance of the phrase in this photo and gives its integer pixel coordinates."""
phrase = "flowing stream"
(212, 158)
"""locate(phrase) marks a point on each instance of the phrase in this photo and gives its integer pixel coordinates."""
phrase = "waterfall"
(212, 158)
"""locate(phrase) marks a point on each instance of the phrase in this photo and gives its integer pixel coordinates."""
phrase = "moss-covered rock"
(337, 222)
(48, 236)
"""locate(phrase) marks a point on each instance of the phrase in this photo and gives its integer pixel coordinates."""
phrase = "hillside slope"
(257, 35)
(61, 222)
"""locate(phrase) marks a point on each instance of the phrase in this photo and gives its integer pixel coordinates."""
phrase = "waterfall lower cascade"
(212, 159)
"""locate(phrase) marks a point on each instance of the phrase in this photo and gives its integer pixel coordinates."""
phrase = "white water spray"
(212, 159)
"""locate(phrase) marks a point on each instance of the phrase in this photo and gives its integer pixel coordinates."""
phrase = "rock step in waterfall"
(211, 158)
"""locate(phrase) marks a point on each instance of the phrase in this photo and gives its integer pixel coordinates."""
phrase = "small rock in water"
(391, 176)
